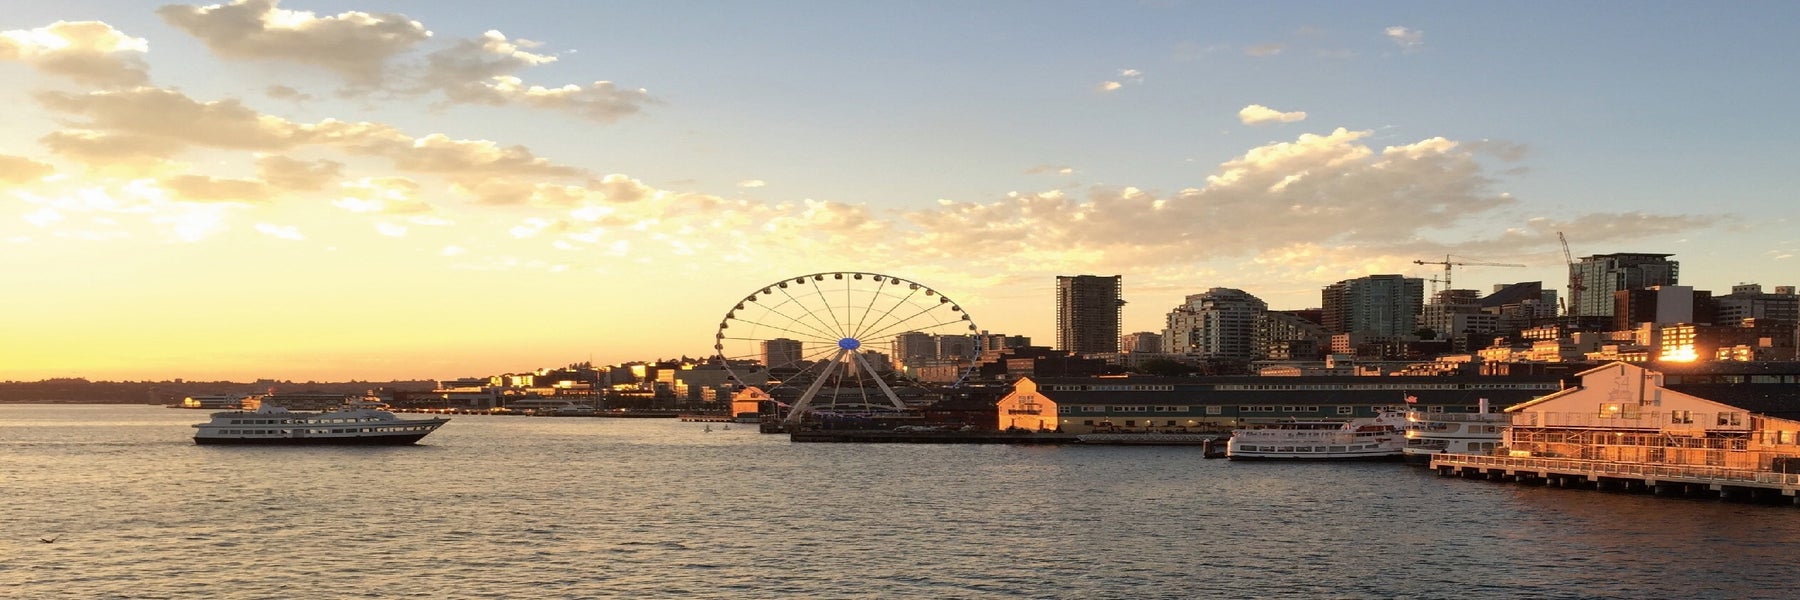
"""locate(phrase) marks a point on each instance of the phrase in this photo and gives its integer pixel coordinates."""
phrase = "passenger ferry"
(1378, 438)
(356, 423)
(1429, 433)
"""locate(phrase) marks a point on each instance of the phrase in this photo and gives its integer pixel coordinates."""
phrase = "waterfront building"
(1733, 416)
(1382, 305)
(1089, 309)
(1219, 324)
(1089, 404)
(1594, 280)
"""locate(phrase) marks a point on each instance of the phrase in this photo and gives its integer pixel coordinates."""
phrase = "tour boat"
(356, 423)
(1429, 433)
(1379, 438)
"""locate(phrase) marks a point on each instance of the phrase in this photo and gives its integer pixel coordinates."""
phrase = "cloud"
(199, 188)
(120, 153)
(285, 232)
(601, 102)
(1327, 189)
(356, 45)
(381, 195)
(297, 175)
(89, 51)
(148, 111)
(752, 183)
(460, 69)
(282, 92)
(1257, 114)
(1126, 77)
(1264, 50)
(1050, 170)
(18, 169)
(1407, 39)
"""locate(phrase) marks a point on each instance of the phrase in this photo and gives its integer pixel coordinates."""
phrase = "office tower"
(1386, 305)
(1088, 312)
(1593, 281)
(781, 352)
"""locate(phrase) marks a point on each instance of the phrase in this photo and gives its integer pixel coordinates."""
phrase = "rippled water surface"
(519, 507)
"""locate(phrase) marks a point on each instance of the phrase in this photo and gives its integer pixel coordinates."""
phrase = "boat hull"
(366, 440)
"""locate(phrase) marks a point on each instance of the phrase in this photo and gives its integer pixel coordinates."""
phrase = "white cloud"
(89, 51)
(1257, 114)
(1263, 50)
(285, 232)
(1407, 39)
(390, 229)
(752, 183)
(1126, 77)
(356, 45)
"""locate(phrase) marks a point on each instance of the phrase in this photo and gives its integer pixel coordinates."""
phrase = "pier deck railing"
(1567, 466)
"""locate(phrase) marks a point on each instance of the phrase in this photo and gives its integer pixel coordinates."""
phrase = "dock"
(878, 436)
(1680, 481)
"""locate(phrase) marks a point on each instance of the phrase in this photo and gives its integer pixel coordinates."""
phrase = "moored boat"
(357, 423)
(1429, 433)
(1378, 438)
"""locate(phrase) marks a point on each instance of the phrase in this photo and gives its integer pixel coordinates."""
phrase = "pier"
(876, 436)
(1679, 481)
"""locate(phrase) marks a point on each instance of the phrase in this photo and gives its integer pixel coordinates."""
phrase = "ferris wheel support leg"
(801, 406)
(885, 390)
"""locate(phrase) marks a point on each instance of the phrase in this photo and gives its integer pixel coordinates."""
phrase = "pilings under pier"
(1670, 481)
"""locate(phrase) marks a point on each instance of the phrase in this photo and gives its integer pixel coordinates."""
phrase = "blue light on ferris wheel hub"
(849, 343)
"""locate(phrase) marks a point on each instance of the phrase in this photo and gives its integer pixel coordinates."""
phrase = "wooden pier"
(1682, 481)
(865, 436)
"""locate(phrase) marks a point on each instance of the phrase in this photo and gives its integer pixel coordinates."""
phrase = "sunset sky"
(326, 190)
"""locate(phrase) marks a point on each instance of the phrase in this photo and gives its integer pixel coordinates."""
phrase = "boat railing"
(1461, 417)
(1619, 469)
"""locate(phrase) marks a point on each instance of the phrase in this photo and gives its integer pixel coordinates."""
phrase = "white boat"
(1379, 438)
(1429, 433)
(357, 423)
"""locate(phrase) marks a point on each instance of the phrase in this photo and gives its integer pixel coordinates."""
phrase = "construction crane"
(1456, 263)
(1575, 283)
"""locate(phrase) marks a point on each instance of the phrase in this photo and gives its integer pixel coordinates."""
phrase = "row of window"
(322, 431)
(294, 421)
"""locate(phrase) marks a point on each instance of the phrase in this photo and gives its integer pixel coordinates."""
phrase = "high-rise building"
(1748, 302)
(1382, 305)
(1219, 324)
(1088, 312)
(781, 352)
(1142, 341)
(1593, 281)
(914, 349)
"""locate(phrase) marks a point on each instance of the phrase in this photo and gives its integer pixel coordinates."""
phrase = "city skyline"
(340, 190)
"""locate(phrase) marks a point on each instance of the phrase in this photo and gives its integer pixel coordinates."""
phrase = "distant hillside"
(166, 392)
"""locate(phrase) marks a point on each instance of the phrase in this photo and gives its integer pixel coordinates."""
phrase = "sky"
(375, 190)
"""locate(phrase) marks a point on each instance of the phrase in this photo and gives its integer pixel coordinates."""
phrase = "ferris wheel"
(846, 341)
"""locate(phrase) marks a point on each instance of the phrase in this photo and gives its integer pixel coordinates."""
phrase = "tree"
(1163, 367)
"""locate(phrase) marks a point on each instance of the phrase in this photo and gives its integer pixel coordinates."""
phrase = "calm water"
(518, 507)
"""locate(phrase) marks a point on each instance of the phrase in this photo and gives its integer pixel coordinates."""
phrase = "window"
(1063, 410)
(1215, 410)
(1681, 417)
(1346, 410)
(1089, 422)
(1611, 411)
